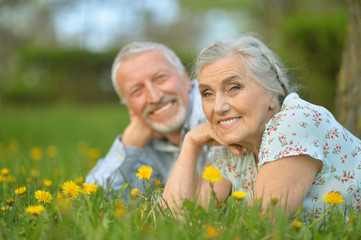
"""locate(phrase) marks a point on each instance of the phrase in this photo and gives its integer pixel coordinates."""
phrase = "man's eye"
(136, 91)
(161, 77)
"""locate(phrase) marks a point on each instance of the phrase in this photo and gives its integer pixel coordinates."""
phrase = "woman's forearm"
(182, 181)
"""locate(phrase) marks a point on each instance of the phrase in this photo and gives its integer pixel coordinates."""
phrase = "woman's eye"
(234, 88)
(206, 94)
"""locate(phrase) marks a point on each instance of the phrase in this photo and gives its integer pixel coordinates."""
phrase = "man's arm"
(119, 165)
(116, 168)
(137, 133)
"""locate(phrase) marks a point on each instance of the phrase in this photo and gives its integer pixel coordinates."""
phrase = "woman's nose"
(221, 105)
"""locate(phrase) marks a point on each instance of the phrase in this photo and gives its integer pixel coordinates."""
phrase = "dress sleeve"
(296, 131)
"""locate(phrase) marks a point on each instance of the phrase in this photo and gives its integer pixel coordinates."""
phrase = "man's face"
(155, 91)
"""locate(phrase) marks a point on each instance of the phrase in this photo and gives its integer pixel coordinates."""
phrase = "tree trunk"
(348, 100)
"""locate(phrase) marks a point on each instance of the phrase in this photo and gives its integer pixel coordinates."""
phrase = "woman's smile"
(228, 123)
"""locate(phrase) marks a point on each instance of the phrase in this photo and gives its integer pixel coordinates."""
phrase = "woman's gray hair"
(135, 48)
(261, 64)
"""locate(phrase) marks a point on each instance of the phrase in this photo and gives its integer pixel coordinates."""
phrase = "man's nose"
(154, 94)
(221, 104)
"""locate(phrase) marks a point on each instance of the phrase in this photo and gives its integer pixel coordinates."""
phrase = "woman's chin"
(230, 141)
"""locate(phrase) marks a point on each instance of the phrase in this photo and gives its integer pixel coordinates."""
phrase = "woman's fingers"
(237, 150)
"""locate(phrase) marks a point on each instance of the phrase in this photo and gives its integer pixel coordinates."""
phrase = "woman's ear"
(273, 104)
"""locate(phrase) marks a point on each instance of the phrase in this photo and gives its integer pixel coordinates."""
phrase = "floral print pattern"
(302, 128)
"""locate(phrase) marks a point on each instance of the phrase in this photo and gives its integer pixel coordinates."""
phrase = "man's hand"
(138, 133)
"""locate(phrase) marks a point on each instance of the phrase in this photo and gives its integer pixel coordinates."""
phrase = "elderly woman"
(297, 151)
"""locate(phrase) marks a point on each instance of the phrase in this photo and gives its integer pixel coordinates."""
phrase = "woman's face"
(235, 104)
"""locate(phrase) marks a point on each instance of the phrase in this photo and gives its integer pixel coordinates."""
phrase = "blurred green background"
(56, 56)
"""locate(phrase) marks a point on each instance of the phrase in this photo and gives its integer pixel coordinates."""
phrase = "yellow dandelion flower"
(43, 196)
(297, 224)
(212, 174)
(94, 153)
(79, 181)
(93, 187)
(83, 148)
(13, 147)
(352, 218)
(4, 171)
(7, 178)
(120, 205)
(48, 183)
(239, 195)
(10, 178)
(101, 213)
(134, 193)
(274, 200)
(157, 183)
(119, 212)
(51, 151)
(28, 179)
(35, 210)
(211, 232)
(10, 201)
(20, 190)
(71, 189)
(144, 172)
(34, 172)
(59, 195)
(4, 208)
(88, 188)
(36, 153)
(333, 198)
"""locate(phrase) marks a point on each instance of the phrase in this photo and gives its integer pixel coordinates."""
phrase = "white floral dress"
(302, 128)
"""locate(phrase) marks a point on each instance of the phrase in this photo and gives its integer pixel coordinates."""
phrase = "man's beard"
(171, 126)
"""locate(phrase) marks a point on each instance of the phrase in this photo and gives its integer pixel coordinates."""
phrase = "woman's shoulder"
(296, 111)
(299, 128)
(293, 102)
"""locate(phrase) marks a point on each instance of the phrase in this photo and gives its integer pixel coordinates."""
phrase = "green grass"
(73, 130)
(80, 134)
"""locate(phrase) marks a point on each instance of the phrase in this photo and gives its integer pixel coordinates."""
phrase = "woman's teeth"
(226, 122)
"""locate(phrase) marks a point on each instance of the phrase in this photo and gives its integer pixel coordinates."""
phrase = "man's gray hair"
(261, 64)
(135, 48)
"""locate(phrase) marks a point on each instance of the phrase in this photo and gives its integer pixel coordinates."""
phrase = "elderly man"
(163, 105)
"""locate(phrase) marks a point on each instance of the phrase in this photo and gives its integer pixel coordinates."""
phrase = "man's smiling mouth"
(164, 108)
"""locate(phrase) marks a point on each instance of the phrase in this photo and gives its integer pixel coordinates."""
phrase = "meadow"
(45, 154)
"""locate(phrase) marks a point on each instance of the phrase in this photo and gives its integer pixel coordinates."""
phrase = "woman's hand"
(203, 135)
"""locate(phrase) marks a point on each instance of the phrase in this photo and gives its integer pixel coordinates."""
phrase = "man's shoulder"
(196, 115)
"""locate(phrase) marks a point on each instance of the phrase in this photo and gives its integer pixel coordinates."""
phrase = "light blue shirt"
(121, 163)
